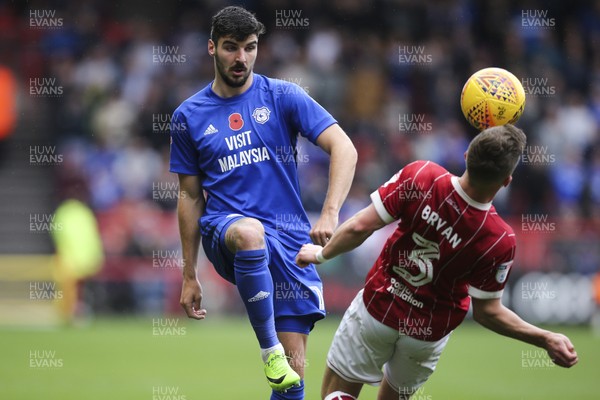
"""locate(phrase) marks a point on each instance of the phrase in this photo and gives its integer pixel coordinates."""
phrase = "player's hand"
(323, 228)
(191, 299)
(306, 255)
(561, 351)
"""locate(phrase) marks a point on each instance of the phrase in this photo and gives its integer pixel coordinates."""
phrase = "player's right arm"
(190, 207)
(349, 236)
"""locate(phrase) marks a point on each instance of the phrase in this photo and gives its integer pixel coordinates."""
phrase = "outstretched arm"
(342, 164)
(349, 236)
(494, 316)
(190, 207)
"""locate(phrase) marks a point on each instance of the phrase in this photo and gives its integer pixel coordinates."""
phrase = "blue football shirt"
(243, 149)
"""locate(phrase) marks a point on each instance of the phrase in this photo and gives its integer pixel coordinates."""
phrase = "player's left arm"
(492, 314)
(342, 163)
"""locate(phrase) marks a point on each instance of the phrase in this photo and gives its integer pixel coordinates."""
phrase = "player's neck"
(225, 91)
(480, 195)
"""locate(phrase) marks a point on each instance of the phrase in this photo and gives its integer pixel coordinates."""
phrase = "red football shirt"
(446, 247)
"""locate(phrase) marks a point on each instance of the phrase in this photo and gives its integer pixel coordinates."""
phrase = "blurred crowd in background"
(390, 71)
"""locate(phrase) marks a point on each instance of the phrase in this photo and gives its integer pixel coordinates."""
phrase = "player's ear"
(211, 47)
(465, 155)
(507, 181)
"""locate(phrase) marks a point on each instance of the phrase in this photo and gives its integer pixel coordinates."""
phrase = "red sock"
(338, 395)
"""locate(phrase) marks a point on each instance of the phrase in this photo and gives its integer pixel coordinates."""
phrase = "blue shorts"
(298, 292)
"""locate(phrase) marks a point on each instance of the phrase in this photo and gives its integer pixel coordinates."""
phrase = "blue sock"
(295, 393)
(255, 285)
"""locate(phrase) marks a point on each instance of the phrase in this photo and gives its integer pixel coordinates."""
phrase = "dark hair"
(236, 22)
(494, 154)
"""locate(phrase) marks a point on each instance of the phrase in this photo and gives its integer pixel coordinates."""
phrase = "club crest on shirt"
(502, 272)
(261, 114)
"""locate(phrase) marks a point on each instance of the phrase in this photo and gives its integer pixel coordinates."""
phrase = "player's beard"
(230, 81)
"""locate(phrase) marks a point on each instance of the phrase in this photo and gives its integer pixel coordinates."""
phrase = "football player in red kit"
(450, 246)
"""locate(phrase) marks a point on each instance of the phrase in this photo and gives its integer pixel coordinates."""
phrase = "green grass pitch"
(179, 359)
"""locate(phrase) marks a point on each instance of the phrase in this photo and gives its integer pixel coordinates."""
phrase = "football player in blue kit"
(238, 194)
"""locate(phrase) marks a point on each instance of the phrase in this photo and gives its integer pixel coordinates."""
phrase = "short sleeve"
(307, 116)
(184, 155)
(406, 186)
(488, 281)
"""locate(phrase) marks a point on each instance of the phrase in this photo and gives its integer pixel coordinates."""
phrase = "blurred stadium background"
(86, 92)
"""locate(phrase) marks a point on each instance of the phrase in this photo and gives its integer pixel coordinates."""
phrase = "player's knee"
(245, 234)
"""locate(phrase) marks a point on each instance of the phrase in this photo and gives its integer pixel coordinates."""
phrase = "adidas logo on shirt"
(210, 130)
(259, 296)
